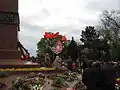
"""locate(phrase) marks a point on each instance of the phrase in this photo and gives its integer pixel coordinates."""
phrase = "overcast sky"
(68, 17)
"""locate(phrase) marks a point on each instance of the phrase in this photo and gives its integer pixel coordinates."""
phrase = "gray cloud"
(101, 5)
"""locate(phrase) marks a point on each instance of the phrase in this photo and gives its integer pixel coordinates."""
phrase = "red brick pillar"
(9, 23)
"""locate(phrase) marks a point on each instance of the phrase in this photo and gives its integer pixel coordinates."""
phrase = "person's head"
(96, 65)
(89, 63)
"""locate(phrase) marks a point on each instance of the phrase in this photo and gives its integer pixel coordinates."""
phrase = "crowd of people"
(100, 75)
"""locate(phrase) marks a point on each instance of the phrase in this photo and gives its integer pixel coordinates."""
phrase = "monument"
(9, 27)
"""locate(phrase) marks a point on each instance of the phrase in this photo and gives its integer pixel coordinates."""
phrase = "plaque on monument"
(9, 18)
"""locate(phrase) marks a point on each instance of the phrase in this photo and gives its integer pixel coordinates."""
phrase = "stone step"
(10, 54)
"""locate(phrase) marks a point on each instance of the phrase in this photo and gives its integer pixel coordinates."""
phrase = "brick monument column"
(9, 27)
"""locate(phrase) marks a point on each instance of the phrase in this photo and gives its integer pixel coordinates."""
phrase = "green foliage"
(89, 36)
(72, 50)
(115, 53)
(109, 30)
(43, 46)
(94, 47)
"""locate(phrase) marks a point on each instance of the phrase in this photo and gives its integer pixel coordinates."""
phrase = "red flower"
(73, 66)
(25, 57)
(51, 35)
(48, 35)
(63, 39)
(55, 35)
(118, 81)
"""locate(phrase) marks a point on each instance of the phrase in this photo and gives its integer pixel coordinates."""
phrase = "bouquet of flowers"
(55, 41)
(118, 84)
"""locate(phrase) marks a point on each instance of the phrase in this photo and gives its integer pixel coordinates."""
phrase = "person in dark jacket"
(91, 77)
(85, 65)
(108, 72)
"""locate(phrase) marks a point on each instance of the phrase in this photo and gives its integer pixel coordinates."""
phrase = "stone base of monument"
(10, 57)
(9, 54)
(16, 63)
(10, 62)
